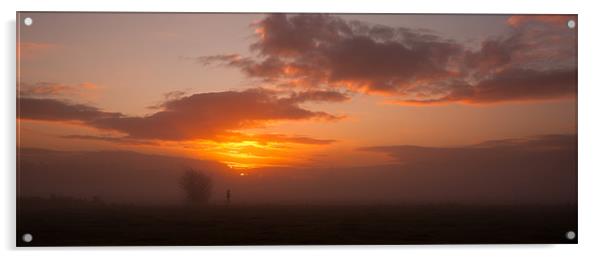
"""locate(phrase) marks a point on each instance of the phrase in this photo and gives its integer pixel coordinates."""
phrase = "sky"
(300, 91)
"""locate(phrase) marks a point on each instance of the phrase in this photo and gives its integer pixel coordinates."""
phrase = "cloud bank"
(534, 60)
(217, 115)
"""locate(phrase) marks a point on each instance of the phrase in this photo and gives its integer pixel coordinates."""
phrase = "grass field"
(96, 224)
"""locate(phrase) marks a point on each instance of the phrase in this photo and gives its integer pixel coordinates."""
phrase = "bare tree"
(196, 186)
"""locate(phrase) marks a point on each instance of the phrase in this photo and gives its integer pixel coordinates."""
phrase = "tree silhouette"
(196, 186)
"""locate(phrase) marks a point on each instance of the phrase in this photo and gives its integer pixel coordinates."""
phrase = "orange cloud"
(27, 50)
(559, 20)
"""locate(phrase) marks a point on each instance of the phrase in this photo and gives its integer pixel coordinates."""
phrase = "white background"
(590, 128)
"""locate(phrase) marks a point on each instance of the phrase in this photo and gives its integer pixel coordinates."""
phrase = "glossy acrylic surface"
(273, 129)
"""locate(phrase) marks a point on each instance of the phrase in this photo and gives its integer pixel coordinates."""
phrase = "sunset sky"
(257, 90)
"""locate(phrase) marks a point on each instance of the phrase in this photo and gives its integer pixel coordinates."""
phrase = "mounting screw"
(571, 24)
(28, 21)
(571, 235)
(27, 237)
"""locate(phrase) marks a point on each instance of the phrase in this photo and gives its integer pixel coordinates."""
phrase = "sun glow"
(246, 154)
(241, 151)
(247, 143)
(239, 166)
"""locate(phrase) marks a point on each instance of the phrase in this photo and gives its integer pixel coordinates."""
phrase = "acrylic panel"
(140, 129)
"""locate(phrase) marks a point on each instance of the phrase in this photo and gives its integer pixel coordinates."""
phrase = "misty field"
(78, 223)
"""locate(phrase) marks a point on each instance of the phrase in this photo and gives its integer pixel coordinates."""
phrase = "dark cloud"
(282, 35)
(51, 89)
(319, 96)
(489, 150)
(323, 49)
(492, 54)
(414, 66)
(225, 137)
(198, 116)
(512, 84)
(538, 43)
(42, 89)
(57, 110)
(206, 115)
(119, 140)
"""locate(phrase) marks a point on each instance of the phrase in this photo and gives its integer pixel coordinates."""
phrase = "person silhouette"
(228, 195)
